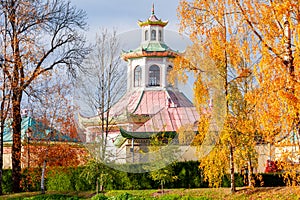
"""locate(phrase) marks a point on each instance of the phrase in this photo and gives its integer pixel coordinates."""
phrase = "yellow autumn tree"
(273, 49)
(275, 24)
(223, 52)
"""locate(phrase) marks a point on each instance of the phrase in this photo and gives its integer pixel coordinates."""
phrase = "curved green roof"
(145, 135)
(38, 131)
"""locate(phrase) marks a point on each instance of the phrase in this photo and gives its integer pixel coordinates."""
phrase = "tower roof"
(150, 49)
(153, 20)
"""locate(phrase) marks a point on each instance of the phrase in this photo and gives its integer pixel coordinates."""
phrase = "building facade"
(151, 105)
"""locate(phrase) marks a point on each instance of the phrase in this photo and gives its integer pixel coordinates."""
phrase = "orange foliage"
(56, 154)
(69, 128)
(263, 35)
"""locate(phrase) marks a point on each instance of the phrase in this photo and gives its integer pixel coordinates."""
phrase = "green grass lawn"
(287, 193)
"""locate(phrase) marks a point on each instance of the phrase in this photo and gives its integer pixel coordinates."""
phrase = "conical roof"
(153, 20)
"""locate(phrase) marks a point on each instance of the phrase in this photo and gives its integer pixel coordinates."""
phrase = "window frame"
(153, 35)
(154, 76)
(137, 77)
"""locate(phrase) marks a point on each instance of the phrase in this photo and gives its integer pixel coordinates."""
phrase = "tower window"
(137, 76)
(146, 35)
(153, 35)
(160, 35)
(154, 76)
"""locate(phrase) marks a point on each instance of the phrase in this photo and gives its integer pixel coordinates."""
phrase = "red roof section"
(166, 110)
(127, 103)
(170, 119)
(151, 103)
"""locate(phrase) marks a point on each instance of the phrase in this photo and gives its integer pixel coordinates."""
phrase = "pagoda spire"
(153, 20)
(152, 9)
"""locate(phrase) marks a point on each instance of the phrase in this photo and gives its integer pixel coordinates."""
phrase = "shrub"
(31, 179)
(238, 180)
(125, 196)
(59, 181)
(99, 197)
(79, 183)
(170, 197)
(6, 181)
(269, 180)
(52, 196)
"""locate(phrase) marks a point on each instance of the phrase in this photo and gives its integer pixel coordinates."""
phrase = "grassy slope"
(288, 193)
(224, 193)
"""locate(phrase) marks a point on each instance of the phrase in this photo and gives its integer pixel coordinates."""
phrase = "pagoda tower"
(150, 63)
(150, 105)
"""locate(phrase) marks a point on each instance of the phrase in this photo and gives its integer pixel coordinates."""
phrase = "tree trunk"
(232, 180)
(1, 156)
(43, 177)
(97, 185)
(101, 182)
(250, 184)
(288, 54)
(16, 147)
(1, 177)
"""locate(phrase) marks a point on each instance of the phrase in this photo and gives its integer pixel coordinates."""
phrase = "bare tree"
(105, 82)
(5, 98)
(40, 35)
(49, 101)
(104, 85)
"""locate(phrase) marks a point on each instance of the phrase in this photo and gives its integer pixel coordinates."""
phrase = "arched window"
(160, 35)
(153, 35)
(146, 35)
(137, 76)
(154, 76)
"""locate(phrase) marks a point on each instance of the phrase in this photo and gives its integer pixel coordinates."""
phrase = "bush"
(70, 179)
(195, 198)
(170, 197)
(78, 182)
(269, 180)
(178, 197)
(99, 197)
(59, 181)
(52, 196)
(6, 181)
(125, 196)
(238, 180)
(189, 176)
(31, 179)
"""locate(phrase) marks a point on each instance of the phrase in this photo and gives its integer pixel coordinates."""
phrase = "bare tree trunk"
(250, 184)
(232, 180)
(97, 185)
(16, 147)
(43, 177)
(101, 182)
(162, 187)
(288, 55)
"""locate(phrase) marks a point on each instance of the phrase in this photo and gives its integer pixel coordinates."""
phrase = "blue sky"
(123, 15)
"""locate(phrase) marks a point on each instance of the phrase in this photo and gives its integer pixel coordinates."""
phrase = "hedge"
(70, 179)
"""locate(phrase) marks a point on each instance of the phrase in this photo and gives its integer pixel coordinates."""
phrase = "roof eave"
(153, 23)
(130, 55)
